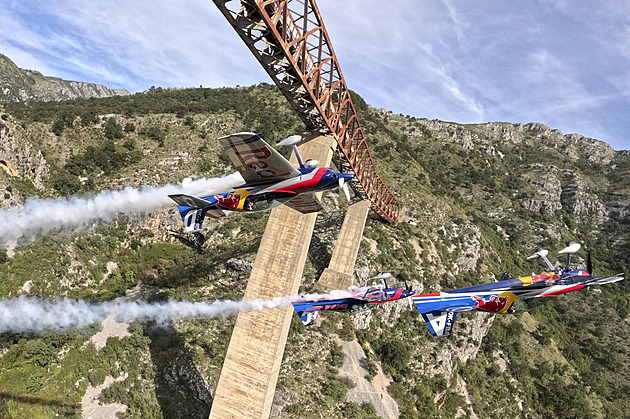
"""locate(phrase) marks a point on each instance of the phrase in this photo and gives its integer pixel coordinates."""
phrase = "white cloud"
(452, 60)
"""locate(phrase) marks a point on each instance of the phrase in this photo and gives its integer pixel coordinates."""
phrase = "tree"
(129, 127)
(65, 183)
(57, 127)
(113, 130)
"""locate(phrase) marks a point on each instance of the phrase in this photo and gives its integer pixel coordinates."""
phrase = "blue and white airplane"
(270, 181)
(363, 299)
(439, 309)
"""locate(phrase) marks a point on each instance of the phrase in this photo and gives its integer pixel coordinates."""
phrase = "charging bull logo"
(229, 200)
(495, 303)
(233, 200)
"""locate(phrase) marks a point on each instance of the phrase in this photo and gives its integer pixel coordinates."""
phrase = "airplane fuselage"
(359, 301)
(265, 196)
(439, 309)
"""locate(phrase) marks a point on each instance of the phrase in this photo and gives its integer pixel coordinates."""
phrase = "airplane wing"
(255, 160)
(305, 203)
(601, 280)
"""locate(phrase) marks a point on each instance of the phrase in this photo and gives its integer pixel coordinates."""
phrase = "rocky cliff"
(18, 85)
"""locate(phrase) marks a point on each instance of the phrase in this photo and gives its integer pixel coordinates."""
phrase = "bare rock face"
(19, 159)
(18, 85)
(441, 356)
(547, 190)
(619, 205)
(597, 151)
(579, 200)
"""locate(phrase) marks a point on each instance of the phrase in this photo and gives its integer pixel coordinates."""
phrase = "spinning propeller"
(343, 185)
(293, 141)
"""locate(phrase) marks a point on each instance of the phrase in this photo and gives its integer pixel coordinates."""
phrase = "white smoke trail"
(46, 215)
(26, 315)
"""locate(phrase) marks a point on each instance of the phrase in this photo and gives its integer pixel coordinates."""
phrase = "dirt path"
(375, 391)
(111, 328)
(91, 407)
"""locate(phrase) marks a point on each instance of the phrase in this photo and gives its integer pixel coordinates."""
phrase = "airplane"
(360, 300)
(270, 181)
(439, 309)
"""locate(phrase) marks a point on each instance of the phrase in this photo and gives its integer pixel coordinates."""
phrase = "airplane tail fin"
(440, 323)
(439, 312)
(193, 211)
(307, 317)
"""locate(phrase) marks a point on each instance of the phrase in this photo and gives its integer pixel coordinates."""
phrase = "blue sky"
(559, 62)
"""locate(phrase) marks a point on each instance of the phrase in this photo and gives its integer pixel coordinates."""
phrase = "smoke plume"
(41, 216)
(26, 315)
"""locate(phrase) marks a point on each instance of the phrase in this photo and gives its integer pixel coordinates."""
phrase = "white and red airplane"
(270, 181)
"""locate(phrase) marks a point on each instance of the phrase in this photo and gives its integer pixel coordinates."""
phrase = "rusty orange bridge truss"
(289, 39)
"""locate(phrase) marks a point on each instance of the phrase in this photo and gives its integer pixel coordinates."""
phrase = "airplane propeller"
(589, 263)
(407, 287)
(343, 185)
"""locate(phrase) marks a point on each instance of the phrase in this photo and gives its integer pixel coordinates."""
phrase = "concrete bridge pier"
(340, 272)
(250, 372)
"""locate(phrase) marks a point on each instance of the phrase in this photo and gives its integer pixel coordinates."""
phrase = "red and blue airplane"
(439, 309)
(270, 181)
(362, 299)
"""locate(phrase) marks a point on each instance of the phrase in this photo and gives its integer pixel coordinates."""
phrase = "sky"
(563, 63)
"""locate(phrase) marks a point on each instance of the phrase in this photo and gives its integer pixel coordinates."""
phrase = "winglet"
(293, 140)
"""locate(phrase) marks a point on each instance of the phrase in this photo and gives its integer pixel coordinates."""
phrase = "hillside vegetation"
(481, 197)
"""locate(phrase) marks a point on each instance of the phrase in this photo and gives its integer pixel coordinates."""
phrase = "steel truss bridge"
(290, 41)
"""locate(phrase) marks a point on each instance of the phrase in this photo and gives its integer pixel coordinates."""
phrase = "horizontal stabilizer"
(306, 203)
(189, 201)
(426, 303)
(216, 213)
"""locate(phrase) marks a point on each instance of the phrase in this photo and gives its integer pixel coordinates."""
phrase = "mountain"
(476, 201)
(18, 85)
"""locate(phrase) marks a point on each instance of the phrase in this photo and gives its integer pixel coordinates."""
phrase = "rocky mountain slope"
(18, 85)
(477, 199)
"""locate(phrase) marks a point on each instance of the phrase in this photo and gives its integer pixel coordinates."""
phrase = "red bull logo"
(495, 303)
(229, 200)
